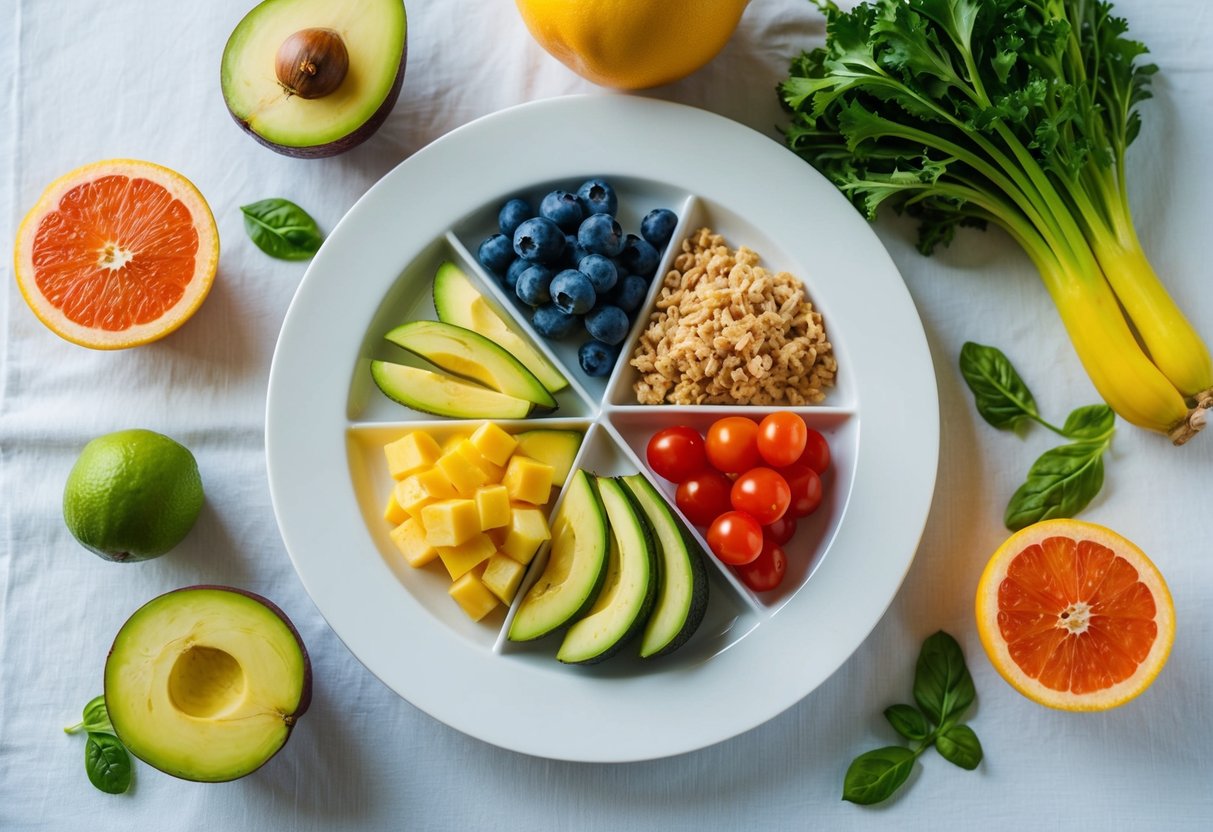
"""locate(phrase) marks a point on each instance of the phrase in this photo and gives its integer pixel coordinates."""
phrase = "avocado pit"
(312, 63)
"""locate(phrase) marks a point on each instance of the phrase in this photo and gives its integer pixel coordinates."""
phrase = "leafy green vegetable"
(1000, 394)
(282, 229)
(1061, 483)
(943, 689)
(96, 718)
(1093, 421)
(108, 763)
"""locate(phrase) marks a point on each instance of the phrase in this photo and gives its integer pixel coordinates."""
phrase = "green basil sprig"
(1064, 480)
(282, 229)
(943, 690)
(106, 760)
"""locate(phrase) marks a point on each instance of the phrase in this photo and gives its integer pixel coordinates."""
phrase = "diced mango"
(527, 480)
(452, 442)
(499, 535)
(393, 513)
(450, 522)
(493, 504)
(410, 539)
(420, 489)
(475, 599)
(492, 472)
(528, 529)
(460, 559)
(463, 474)
(493, 443)
(410, 453)
(502, 576)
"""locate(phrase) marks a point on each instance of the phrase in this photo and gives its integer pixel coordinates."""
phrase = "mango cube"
(410, 453)
(420, 489)
(527, 531)
(493, 443)
(452, 442)
(493, 504)
(450, 522)
(528, 481)
(473, 596)
(492, 471)
(461, 559)
(409, 538)
(465, 475)
(393, 513)
(502, 576)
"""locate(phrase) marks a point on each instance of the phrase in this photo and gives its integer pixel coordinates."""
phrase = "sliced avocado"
(557, 448)
(205, 683)
(472, 356)
(575, 568)
(682, 595)
(458, 302)
(627, 593)
(444, 396)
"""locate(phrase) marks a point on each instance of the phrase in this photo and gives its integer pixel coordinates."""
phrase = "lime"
(132, 495)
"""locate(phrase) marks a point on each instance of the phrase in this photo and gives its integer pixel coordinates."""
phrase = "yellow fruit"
(632, 44)
(1074, 616)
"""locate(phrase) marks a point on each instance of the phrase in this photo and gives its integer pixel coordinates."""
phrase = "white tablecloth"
(85, 80)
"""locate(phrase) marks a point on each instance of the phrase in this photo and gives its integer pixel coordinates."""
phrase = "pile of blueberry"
(573, 264)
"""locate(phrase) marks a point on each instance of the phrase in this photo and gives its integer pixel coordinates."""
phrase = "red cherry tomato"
(765, 572)
(762, 493)
(735, 537)
(781, 438)
(782, 530)
(676, 453)
(733, 444)
(704, 496)
(806, 489)
(816, 452)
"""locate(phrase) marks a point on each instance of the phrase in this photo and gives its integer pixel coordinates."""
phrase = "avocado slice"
(682, 595)
(444, 396)
(472, 356)
(457, 302)
(575, 568)
(627, 593)
(557, 448)
(205, 683)
(353, 52)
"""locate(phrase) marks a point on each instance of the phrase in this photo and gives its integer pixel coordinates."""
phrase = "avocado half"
(313, 78)
(205, 683)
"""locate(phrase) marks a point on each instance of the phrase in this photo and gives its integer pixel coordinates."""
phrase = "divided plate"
(755, 654)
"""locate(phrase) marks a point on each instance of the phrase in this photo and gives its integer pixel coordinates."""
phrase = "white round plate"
(754, 655)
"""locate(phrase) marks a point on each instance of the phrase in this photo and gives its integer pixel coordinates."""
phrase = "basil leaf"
(907, 721)
(1091, 422)
(958, 744)
(1001, 396)
(282, 229)
(107, 762)
(942, 684)
(96, 718)
(1060, 484)
(874, 776)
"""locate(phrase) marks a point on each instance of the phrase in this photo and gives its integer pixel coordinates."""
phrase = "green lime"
(132, 495)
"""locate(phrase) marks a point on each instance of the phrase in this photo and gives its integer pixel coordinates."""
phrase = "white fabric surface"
(85, 80)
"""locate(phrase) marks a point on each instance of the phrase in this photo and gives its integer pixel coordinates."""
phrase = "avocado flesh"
(374, 35)
(442, 395)
(206, 683)
(469, 354)
(557, 448)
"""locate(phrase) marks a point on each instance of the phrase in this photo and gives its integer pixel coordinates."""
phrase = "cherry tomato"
(781, 438)
(782, 530)
(735, 537)
(733, 444)
(704, 496)
(765, 572)
(762, 493)
(806, 489)
(816, 452)
(676, 453)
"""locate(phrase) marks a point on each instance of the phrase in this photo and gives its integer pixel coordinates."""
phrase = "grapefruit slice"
(117, 253)
(1074, 616)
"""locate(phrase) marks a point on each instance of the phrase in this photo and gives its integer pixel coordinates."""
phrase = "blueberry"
(562, 208)
(596, 358)
(608, 324)
(600, 234)
(599, 196)
(552, 322)
(639, 256)
(539, 240)
(495, 254)
(572, 292)
(516, 268)
(513, 214)
(600, 270)
(630, 293)
(573, 252)
(532, 287)
(658, 226)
